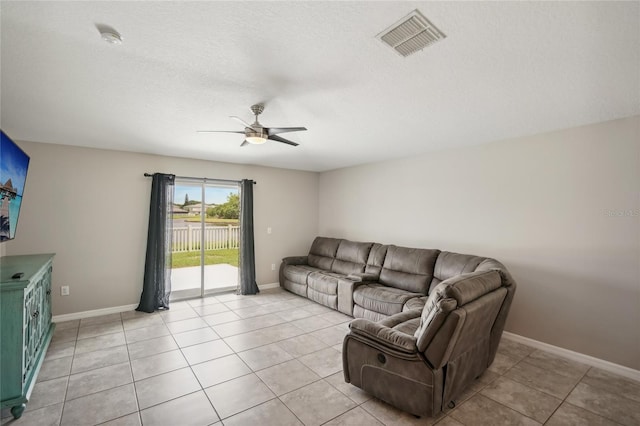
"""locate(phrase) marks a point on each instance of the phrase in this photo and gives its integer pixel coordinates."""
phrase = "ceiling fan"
(257, 134)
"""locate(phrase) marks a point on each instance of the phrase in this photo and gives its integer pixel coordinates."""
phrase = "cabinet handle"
(48, 292)
(35, 314)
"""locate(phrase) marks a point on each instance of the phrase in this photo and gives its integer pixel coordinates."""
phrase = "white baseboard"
(93, 313)
(267, 286)
(621, 370)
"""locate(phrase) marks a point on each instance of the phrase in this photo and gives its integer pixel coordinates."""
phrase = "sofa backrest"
(409, 269)
(351, 257)
(451, 265)
(323, 252)
(376, 259)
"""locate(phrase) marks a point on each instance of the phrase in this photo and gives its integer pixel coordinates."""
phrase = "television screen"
(13, 174)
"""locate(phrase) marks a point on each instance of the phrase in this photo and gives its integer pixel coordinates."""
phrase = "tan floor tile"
(100, 358)
(502, 363)
(206, 310)
(605, 404)
(94, 381)
(100, 319)
(64, 335)
(389, 415)
(146, 333)
(162, 388)
(239, 394)
(157, 364)
(557, 364)
(530, 402)
(99, 342)
(311, 323)
(60, 350)
(570, 415)
(206, 351)
(613, 383)
(220, 318)
(178, 315)
(317, 403)
(100, 329)
(324, 363)
(54, 368)
(449, 421)
(186, 325)
(354, 417)
(514, 349)
(65, 325)
(332, 335)
(151, 347)
(542, 380)
(273, 412)
(193, 410)
(193, 337)
(482, 411)
(302, 345)
(100, 407)
(288, 376)
(142, 321)
(220, 370)
(46, 393)
(264, 356)
(128, 420)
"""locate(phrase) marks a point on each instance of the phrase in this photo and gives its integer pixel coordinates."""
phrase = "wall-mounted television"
(13, 175)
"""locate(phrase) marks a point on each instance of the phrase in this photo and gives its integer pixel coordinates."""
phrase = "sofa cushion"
(324, 282)
(409, 269)
(298, 273)
(450, 265)
(415, 303)
(382, 299)
(351, 257)
(323, 252)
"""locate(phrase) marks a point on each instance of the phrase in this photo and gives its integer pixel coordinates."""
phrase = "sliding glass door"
(206, 233)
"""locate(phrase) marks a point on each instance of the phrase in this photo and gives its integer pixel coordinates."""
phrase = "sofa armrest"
(363, 277)
(295, 260)
(384, 335)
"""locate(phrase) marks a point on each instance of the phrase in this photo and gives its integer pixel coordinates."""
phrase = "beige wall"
(91, 208)
(539, 204)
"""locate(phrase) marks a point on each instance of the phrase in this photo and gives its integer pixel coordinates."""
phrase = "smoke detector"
(410, 34)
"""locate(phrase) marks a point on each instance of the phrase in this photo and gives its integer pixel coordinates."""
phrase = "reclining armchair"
(421, 360)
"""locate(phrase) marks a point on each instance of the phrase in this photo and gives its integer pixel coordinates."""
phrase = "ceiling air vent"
(412, 33)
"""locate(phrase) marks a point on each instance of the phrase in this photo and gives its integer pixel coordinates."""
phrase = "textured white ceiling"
(506, 69)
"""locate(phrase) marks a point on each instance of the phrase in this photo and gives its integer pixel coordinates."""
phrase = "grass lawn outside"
(184, 259)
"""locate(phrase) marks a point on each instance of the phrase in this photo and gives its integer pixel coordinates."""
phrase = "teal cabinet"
(25, 325)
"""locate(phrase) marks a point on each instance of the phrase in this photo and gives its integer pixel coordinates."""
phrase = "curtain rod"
(205, 179)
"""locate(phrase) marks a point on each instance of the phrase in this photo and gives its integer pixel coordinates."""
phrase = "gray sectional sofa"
(428, 322)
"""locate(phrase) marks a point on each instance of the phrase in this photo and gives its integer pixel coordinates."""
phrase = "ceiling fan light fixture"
(256, 140)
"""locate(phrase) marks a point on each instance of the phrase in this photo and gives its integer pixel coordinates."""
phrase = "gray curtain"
(247, 283)
(157, 268)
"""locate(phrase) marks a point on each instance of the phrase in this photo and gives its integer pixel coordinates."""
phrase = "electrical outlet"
(269, 230)
(273, 266)
(64, 290)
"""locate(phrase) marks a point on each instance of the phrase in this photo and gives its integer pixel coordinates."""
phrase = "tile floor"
(274, 359)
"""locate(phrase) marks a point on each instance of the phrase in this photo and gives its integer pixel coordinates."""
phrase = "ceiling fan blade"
(283, 140)
(243, 122)
(220, 131)
(276, 130)
(244, 142)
